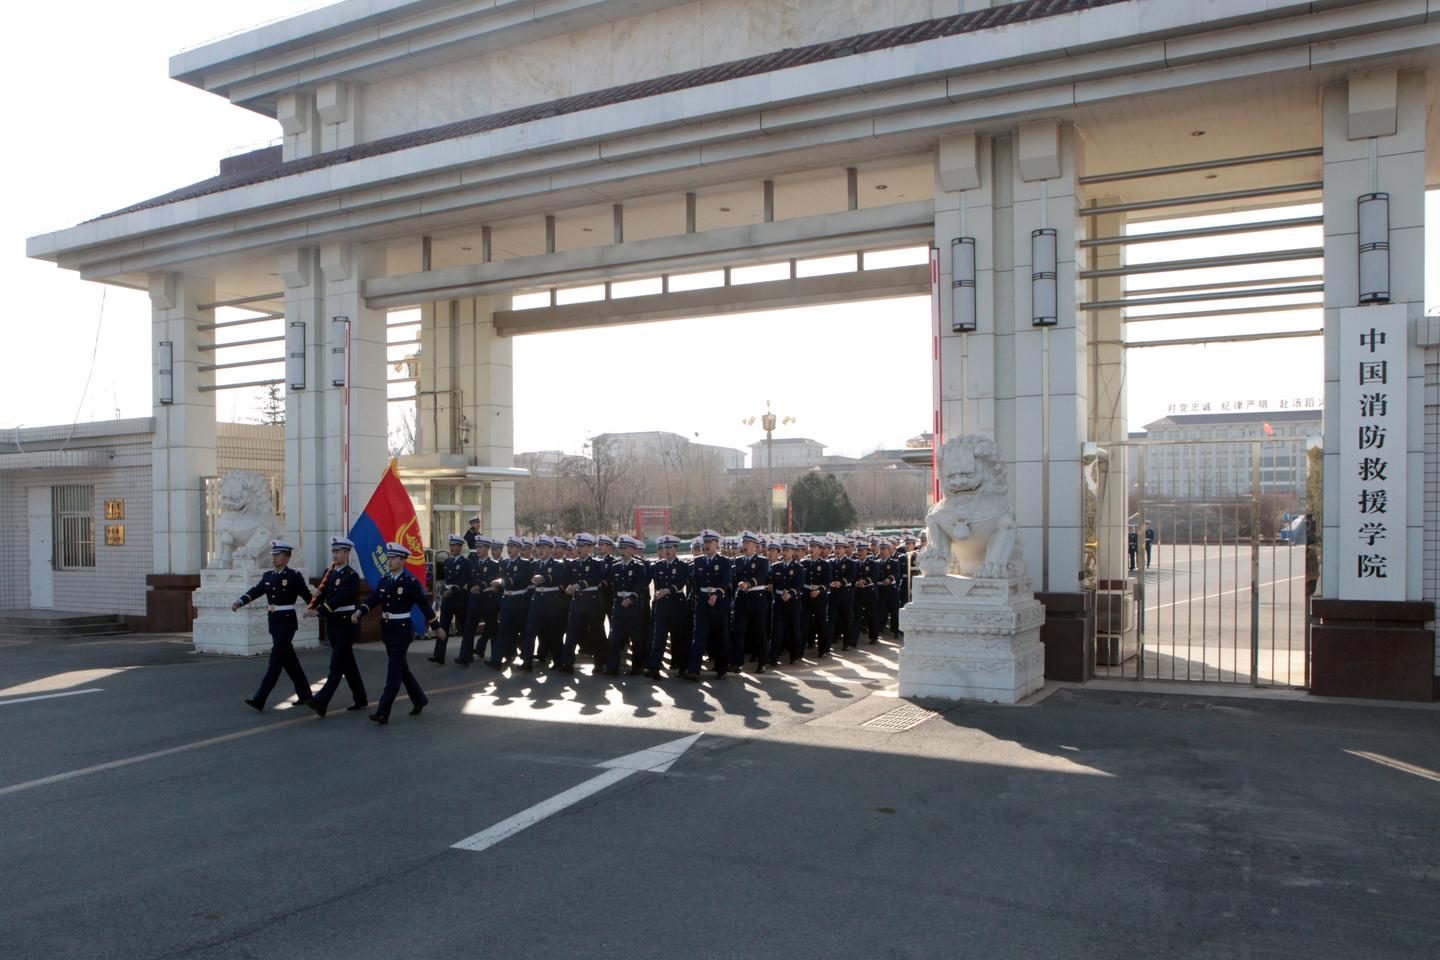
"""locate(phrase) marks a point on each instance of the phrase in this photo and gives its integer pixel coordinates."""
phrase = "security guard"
(841, 610)
(514, 584)
(482, 603)
(751, 575)
(455, 572)
(583, 622)
(335, 599)
(630, 579)
(545, 623)
(396, 595)
(786, 578)
(711, 581)
(473, 536)
(281, 587)
(815, 581)
(672, 613)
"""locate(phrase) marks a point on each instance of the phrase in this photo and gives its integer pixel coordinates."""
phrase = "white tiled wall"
(1432, 477)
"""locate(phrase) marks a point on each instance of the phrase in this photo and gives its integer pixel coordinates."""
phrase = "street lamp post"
(768, 422)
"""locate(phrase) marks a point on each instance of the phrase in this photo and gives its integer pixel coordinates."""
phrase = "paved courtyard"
(157, 816)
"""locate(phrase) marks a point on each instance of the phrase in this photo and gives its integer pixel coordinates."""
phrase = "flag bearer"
(335, 600)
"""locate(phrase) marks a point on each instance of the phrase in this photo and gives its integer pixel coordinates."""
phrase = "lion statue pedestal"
(972, 627)
(243, 531)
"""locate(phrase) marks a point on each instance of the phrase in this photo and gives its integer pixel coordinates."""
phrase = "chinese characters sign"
(1372, 453)
(1248, 406)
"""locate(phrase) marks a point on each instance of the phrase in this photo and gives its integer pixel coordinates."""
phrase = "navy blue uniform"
(545, 622)
(584, 625)
(843, 570)
(671, 614)
(890, 594)
(630, 580)
(514, 607)
(867, 597)
(455, 571)
(785, 580)
(814, 622)
(711, 579)
(482, 606)
(396, 595)
(749, 630)
(281, 588)
(335, 600)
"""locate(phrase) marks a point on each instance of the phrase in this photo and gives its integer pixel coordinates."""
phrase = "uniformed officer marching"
(816, 576)
(545, 623)
(473, 536)
(396, 595)
(842, 595)
(890, 585)
(751, 573)
(867, 595)
(335, 599)
(514, 584)
(455, 571)
(583, 623)
(786, 578)
(711, 583)
(281, 587)
(482, 605)
(671, 613)
(630, 579)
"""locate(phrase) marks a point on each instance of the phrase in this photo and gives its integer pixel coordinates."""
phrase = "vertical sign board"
(1373, 375)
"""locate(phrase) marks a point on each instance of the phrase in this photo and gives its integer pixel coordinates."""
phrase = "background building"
(1212, 468)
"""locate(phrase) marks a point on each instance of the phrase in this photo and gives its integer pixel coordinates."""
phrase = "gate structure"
(1221, 559)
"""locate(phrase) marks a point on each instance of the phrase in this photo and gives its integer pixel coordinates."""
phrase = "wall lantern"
(295, 354)
(339, 351)
(1044, 303)
(962, 285)
(1373, 217)
(166, 366)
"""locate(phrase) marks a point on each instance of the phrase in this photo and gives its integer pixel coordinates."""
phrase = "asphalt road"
(160, 817)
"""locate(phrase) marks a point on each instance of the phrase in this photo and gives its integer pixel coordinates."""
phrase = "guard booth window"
(72, 506)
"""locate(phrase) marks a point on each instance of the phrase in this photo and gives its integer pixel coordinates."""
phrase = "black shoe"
(464, 661)
(653, 674)
(303, 701)
(612, 673)
(259, 705)
(357, 706)
(636, 671)
(719, 674)
(415, 710)
(379, 719)
(760, 669)
(317, 706)
(438, 661)
(690, 676)
(528, 667)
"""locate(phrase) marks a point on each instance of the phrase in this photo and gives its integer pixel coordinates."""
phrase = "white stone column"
(1108, 424)
(1049, 364)
(184, 445)
(320, 285)
(1374, 141)
(964, 207)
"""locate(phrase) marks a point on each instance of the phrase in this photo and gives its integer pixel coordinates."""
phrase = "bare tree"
(402, 439)
(600, 475)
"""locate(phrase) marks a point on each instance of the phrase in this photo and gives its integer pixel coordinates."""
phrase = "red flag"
(1269, 430)
(388, 517)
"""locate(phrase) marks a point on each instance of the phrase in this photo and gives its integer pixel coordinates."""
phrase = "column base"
(167, 603)
(1375, 649)
(246, 632)
(1068, 635)
(972, 639)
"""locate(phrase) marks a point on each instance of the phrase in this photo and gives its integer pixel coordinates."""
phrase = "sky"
(111, 128)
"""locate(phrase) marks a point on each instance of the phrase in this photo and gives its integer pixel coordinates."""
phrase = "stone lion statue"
(247, 521)
(972, 529)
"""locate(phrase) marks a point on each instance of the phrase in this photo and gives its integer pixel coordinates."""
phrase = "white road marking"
(1394, 764)
(142, 758)
(1210, 596)
(49, 696)
(655, 760)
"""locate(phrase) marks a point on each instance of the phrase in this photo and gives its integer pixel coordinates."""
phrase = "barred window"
(72, 506)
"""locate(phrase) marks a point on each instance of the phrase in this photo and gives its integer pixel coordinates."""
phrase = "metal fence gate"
(1217, 560)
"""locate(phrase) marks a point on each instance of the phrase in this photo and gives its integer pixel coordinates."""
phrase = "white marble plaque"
(1372, 453)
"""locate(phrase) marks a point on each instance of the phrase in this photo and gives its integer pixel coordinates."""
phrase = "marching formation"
(524, 604)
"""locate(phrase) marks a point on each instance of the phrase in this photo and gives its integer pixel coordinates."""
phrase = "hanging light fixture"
(1044, 301)
(295, 354)
(166, 365)
(962, 285)
(1373, 220)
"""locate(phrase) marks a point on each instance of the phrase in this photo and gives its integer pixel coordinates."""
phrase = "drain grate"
(901, 718)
